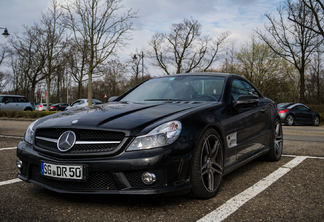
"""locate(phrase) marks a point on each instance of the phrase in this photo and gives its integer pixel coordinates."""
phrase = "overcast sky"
(239, 17)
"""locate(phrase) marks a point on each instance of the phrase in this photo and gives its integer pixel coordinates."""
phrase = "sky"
(240, 17)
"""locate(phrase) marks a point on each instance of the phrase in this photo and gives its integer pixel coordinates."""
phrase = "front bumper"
(112, 175)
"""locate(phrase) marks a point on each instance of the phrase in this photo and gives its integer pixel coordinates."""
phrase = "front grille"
(78, 148)
(106, 137)
(87, 135)
(95, 181)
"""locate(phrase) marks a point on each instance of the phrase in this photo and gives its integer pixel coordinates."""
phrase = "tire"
(316, 121)
(276, 143)
(289, 121)
(28, 109)
(207, 167)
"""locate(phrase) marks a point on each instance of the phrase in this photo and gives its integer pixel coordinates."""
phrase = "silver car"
(82, 103)
(15, 102)
(42, 107)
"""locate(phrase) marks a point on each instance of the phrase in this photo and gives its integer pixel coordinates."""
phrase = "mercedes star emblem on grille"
(66, 141)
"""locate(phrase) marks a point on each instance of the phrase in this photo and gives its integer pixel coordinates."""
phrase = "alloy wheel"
(290, 120)
(211, 163)
(278, 139)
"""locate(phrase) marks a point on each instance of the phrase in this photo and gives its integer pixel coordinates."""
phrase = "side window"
(76, 103)
(5, 99)
(22, 100)
(302, 108)
(12, 99)
(240, 88)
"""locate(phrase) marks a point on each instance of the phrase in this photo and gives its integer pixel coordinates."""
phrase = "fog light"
(148, 178)
(19, 163)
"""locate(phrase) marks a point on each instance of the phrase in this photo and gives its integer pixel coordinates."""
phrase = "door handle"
(263, 110)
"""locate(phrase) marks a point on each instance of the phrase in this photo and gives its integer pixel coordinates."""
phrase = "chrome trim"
(96, 142)
(46, 139)
(78, 142)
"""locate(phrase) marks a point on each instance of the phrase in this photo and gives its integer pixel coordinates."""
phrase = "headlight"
(29, 134)
(162, 135)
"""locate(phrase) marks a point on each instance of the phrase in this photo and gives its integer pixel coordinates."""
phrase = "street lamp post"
(142, 57)
(5, 32)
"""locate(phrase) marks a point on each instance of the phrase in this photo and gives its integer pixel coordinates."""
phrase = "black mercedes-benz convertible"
(172, 134)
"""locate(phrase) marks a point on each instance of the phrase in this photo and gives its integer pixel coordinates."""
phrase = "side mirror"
(246, 101)
(7, 102)
(112, 99)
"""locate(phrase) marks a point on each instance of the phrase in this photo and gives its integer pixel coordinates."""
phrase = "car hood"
(129, 118)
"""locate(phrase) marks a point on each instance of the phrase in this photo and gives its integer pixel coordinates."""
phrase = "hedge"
(25, 114)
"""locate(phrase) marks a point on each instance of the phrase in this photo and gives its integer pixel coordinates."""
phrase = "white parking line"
(15, 137)
(9, 182)
(236, 202)
(8, 148)
(310, 157)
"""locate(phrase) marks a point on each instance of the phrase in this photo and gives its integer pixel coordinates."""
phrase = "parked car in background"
(15, 102)
(297, 113)
(58, 107)
(34, 104)
(82, 103)
(42, 106)
(172, 134)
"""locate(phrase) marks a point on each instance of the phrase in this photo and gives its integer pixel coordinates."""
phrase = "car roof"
(290, 105)
(59, 104)
(296, 104)
(201, 74)
(285, 104)
(87, 99)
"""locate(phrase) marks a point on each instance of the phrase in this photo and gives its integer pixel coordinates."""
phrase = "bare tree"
(2, 81)
(292, 41)
(77, 65)
(115, 75)
(315, 83)
(53, 44)
(266, 70)
(137, 67)
(28, 61)
(229, 65)
(5, 52)
(96, 23)
(184, 49)
(315, 15)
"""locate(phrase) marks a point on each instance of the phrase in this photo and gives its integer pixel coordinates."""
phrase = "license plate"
(73, 172)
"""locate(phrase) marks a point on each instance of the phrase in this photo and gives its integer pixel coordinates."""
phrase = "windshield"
(182, 88)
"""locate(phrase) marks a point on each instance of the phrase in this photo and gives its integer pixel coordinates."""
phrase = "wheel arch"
(28, 108)
(220, 133)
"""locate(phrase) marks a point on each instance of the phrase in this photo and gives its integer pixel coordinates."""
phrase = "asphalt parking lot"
(291, 189)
